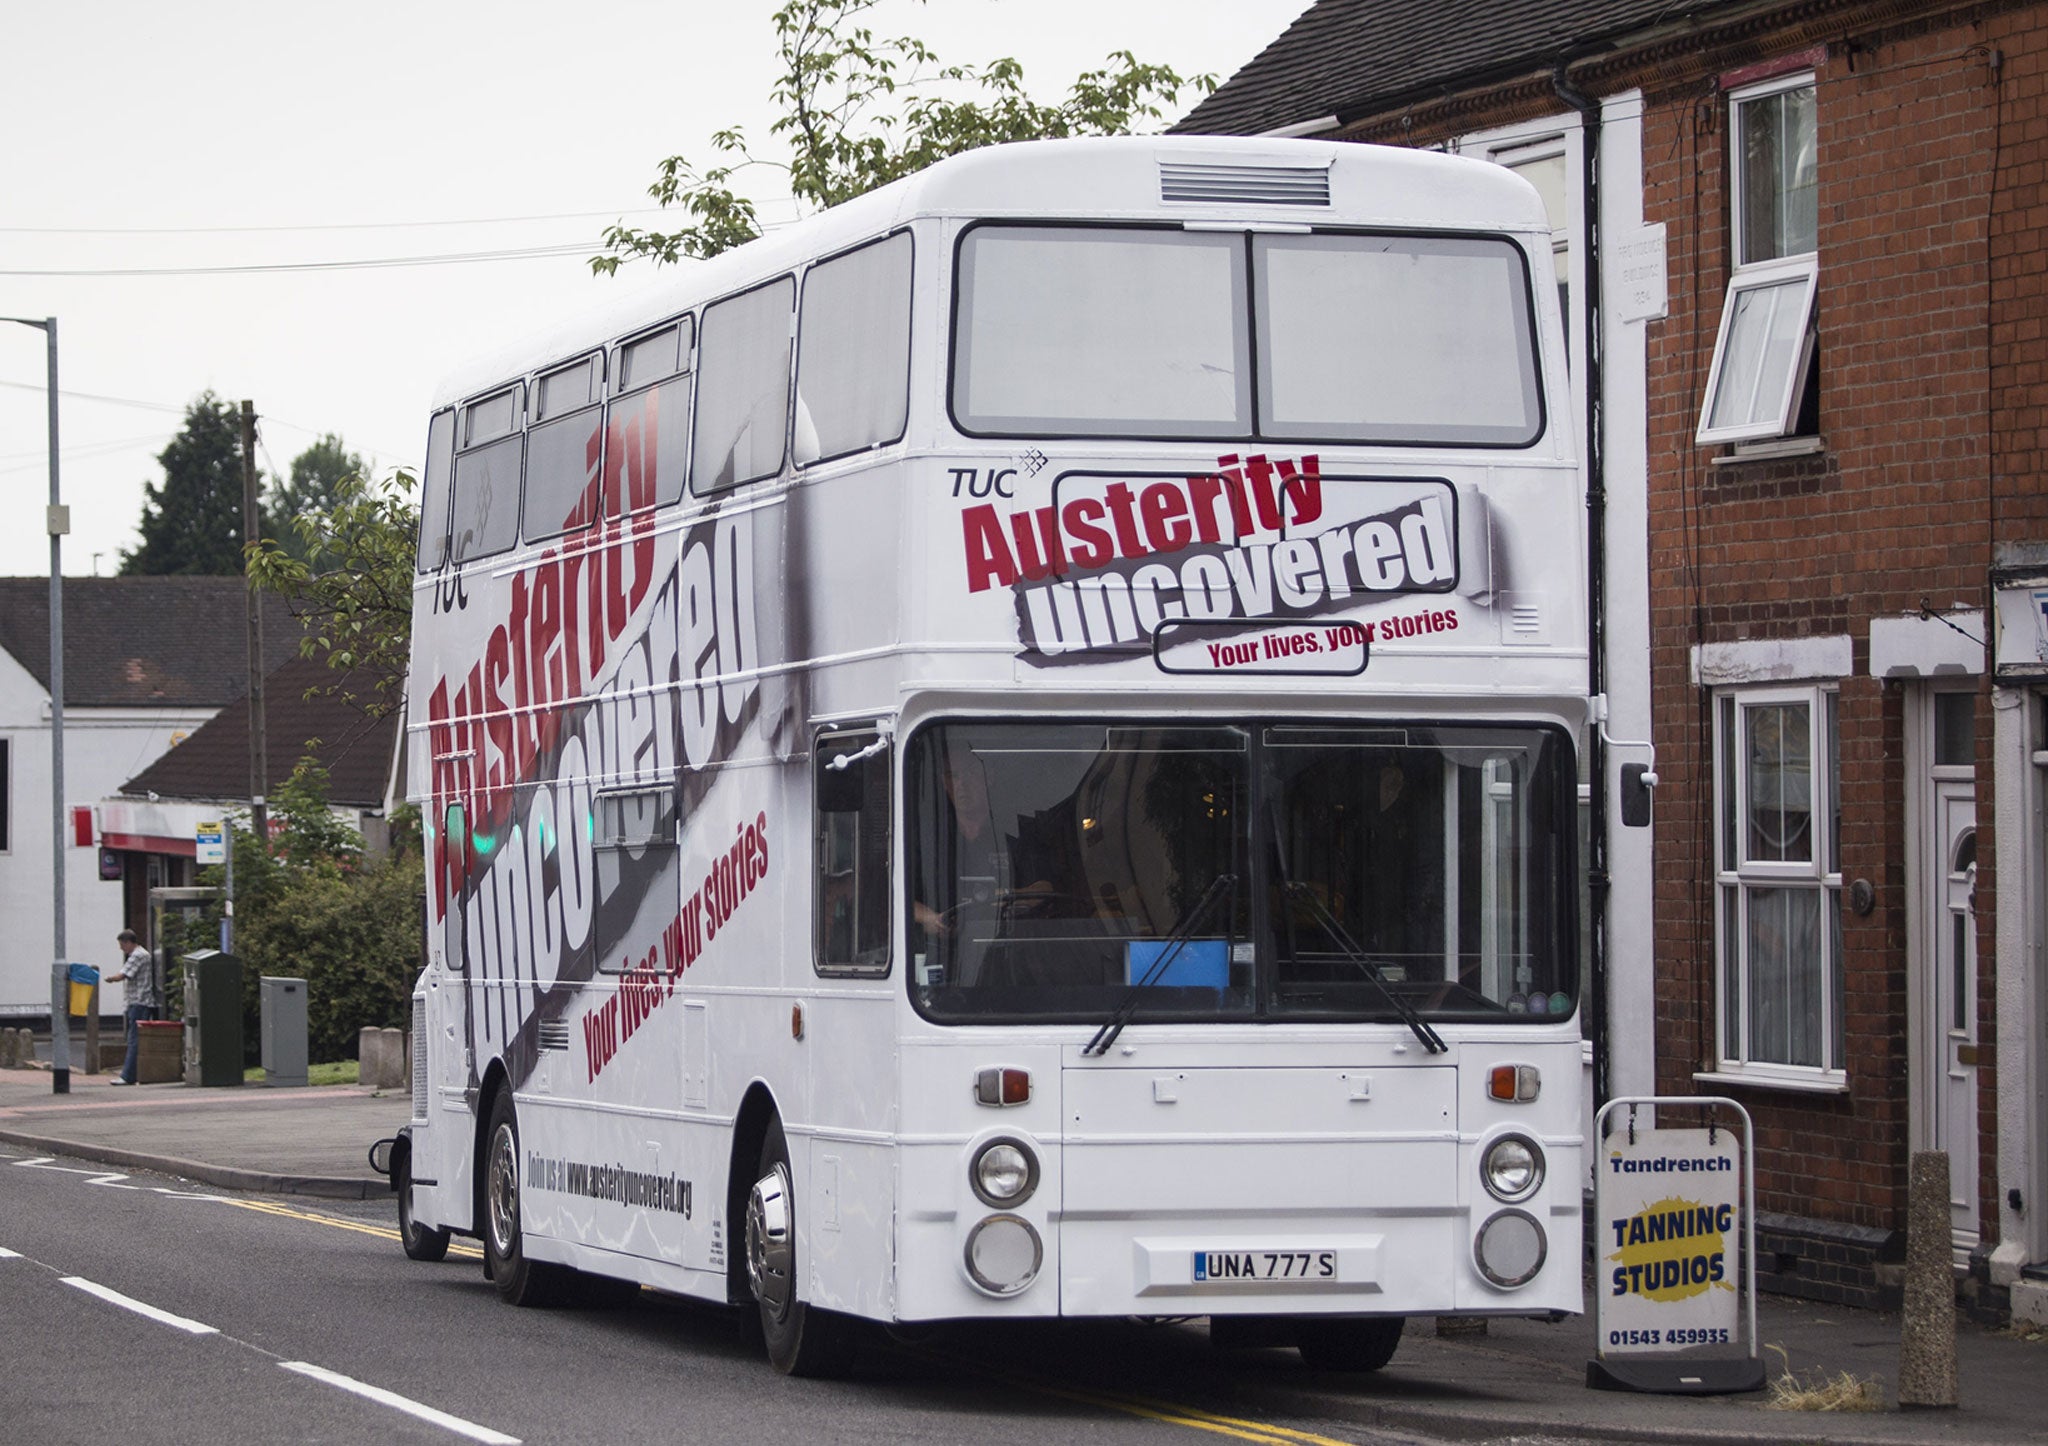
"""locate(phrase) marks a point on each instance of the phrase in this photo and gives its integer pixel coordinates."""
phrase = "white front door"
(1955, 1011)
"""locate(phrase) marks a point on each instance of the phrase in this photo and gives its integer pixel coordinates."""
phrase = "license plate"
(1213, 1266)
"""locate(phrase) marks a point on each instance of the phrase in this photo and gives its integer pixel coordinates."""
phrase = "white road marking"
(126, 1302)
(42, 1162)
(403, 1403)
(6, 1254)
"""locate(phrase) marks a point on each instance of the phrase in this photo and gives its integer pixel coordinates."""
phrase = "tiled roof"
(1344, 58)
(214, 762)
(144, 641)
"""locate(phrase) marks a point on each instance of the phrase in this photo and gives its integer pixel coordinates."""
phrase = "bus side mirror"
(1636, 783)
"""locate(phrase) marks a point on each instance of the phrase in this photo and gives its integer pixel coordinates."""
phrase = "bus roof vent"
(1203, 183)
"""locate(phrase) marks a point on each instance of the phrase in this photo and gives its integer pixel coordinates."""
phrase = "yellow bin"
(82, 978)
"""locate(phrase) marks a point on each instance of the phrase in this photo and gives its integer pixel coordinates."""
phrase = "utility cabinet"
(213, 1018)
(283, 1030)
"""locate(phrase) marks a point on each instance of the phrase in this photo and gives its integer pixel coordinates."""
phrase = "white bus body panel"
(698, 648)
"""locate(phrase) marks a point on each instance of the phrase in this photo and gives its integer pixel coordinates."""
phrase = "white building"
(147, 660)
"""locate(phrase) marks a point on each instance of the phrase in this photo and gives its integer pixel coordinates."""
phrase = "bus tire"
(421, 1242)
(801, 1339)
(1354, 1343)
(520, 1281)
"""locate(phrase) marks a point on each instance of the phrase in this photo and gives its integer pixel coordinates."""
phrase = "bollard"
(10, 1052)
(394, 1077)
(1927, 1324)
(369, 1056)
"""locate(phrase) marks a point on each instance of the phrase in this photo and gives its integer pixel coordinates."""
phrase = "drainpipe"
(1598, 883)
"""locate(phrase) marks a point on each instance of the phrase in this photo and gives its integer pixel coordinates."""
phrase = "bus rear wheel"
(520, 1281)
(802, 1340)
(1357, 1343)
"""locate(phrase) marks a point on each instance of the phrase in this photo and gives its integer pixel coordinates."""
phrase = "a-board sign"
(1670, 1201)
(1673, 1294)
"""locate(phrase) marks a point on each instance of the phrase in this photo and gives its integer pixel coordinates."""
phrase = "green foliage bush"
(352, 934)
(313, 908)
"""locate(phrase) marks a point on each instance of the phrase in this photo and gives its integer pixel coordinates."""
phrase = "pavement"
(1517, 1380)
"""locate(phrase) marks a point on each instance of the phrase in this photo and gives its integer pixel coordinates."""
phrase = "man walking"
(138, 990)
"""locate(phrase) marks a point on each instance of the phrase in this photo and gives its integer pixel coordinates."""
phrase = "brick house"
(1818, 290)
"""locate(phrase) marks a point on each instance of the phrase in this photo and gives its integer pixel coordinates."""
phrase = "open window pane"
(1761, 355)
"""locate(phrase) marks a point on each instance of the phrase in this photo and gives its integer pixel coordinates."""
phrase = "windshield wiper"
(1432, 1042)
(1175, 942)
(1348, 947)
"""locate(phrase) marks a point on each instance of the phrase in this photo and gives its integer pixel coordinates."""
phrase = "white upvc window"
(1778, 885)
(1764, 353)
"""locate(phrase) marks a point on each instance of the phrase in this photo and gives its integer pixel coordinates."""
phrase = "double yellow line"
(1166, 1412)
(1170, 1414)
(382, 1232)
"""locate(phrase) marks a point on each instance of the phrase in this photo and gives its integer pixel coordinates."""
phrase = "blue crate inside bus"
(1201, 963)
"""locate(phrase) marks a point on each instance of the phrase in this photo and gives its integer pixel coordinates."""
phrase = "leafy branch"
(859, 112)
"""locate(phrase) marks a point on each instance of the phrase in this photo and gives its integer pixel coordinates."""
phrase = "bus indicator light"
(1000, 1086)
(1514, 1083)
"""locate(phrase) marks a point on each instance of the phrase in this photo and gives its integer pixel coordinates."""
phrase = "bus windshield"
(1129, 331)
(1239, 870)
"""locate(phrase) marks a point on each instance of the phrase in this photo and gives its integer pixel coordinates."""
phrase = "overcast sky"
(216, 138)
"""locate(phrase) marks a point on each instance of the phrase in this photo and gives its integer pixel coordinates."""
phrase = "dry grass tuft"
(1822, 1392)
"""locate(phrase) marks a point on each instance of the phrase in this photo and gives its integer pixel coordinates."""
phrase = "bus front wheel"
(801, 1340)
(1361, 1343)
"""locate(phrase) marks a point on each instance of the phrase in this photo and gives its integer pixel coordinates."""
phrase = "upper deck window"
(484, 510)
(1148, 332)
(1419, 339)
(853, 352)
(562, 450)
(1101, 331)
(743, 393)
(434, 491)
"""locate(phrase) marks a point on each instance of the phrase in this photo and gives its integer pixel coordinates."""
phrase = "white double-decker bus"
(1010, 750)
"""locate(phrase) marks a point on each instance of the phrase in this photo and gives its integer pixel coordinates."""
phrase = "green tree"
(314, 487)
(349, 579)
(192, 520)
(315, 908)
(858, 112)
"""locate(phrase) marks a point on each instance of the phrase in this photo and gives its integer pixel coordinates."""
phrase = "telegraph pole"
(252, 533)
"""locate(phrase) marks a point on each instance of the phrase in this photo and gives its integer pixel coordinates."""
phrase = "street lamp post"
(58, 522)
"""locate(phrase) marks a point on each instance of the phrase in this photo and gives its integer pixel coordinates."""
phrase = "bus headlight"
(1512, 1168)
(1003, 1254)
(1510, 1248)
(1004, 1173)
